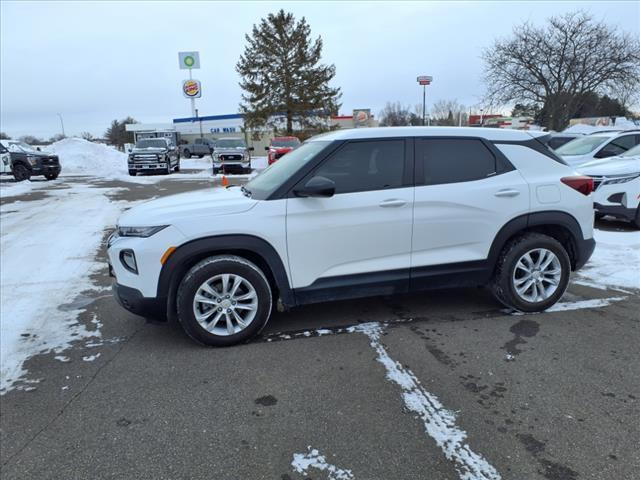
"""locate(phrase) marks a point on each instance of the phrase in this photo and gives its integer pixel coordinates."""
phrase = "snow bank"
(37, 313)
(81, 157)
(615, 261)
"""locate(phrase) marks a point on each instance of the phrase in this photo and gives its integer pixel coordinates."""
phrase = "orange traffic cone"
(225, 181)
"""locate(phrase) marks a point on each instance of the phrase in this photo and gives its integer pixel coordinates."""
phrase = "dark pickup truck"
(153, 155)
(23, 161)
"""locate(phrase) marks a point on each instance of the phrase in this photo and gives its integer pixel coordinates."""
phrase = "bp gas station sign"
(189, 60)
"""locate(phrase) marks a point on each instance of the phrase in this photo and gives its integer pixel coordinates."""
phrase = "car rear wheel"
(532, 273)
(186, 153)
(224, 300)
(21, 172)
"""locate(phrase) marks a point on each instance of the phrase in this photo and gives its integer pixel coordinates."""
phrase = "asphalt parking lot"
(438, 385)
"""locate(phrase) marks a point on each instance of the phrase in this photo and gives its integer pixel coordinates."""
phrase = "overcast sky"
(96, 61)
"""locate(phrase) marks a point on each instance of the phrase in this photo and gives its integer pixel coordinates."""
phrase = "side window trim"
(501, 162)
(407, 164)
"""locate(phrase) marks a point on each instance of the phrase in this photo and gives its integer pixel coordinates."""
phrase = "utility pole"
(61, 124)
(199, 121)
(424, 80)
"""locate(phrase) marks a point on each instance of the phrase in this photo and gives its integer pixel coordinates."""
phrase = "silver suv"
(231, 155)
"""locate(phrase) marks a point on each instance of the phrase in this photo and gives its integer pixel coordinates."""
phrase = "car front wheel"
(21, 172)
(224, 300)
(532, 273)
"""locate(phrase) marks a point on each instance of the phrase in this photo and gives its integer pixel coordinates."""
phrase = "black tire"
(186, 153)
(132, 173)
(177, 167)
(21, 172)
(207, 269)
(636, 222)
(503, 285)
(50, 176)
(167, 170)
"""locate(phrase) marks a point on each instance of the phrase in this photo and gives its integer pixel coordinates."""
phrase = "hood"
(185, 206)
(575, 160)
(611, 166)
(149, 150)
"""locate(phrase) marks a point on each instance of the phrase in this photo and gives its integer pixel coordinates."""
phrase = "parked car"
(617, 185)
(200, 147)
(357, 213)
(23, 161)
(598, 145)
(156, 155)
(280, 146)
(556, 140)
(232, 155)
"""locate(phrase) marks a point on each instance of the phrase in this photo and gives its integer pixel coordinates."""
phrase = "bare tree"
(448, 112)
(4, 136)
(86, 136)
(395, 115)
(555, 65)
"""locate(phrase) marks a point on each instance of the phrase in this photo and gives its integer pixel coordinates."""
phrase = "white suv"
(598, 145)
(355, 213)
(617, 185)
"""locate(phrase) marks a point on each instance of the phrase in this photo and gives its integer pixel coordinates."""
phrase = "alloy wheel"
(537, 275)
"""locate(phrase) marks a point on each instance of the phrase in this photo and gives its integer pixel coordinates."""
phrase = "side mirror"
(266, 149)
(251, 149)
(317, 187)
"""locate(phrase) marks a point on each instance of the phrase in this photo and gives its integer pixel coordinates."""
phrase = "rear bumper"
(133, 301)
(618, 211)
(584, 250)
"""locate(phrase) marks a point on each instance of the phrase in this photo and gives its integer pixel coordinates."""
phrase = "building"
(232, 125)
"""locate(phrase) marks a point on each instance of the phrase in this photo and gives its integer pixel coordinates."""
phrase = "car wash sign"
(191, 88)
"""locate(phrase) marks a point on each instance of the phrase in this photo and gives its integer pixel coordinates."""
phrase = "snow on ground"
(48, 254)
(81, 157)
(615, 261)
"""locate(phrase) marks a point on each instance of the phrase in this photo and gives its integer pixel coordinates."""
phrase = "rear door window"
(453, 160)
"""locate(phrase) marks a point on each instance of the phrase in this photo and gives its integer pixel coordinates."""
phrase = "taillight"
(581, 183)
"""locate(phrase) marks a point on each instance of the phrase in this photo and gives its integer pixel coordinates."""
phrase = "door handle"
(394, 202)
(507, 192)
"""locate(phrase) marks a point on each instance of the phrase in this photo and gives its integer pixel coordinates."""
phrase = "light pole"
(481, 116)
(424, 80)
(61, 124)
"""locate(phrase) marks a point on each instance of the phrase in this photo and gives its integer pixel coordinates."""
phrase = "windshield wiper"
(246, 191)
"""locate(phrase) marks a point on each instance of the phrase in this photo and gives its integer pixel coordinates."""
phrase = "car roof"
(612, 133)
(391, 132)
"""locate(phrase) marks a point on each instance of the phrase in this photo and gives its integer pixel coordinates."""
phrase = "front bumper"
(232, 166)
(148, 166)
(45, 169)
(618, 211)
(133, 301)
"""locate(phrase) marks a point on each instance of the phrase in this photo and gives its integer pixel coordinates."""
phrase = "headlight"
(143, 232)
(625, 179)
(32, 160)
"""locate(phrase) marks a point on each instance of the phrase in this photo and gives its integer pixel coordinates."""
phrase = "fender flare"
(529, 220)
(179, 261)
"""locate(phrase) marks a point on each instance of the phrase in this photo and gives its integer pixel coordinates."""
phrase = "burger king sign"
(191, 88)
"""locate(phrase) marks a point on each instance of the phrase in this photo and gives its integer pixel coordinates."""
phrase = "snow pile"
(81, 157)
(615, 261)
(47, 259)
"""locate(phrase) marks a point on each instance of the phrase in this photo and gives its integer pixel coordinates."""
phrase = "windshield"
(262, 186)
(581, 146)
(285, 143)
(231, 143)
(21, 147)
(632, 152)
(151, 143)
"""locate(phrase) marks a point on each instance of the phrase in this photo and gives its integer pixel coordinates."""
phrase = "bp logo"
(191, 89)
(189, 61)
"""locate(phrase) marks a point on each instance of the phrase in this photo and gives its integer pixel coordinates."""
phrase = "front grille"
(145, 156)
(50, 161)
(228, 158)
